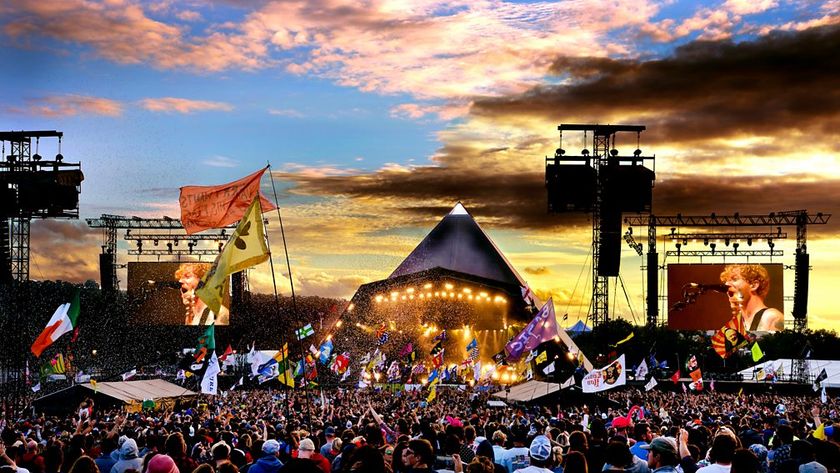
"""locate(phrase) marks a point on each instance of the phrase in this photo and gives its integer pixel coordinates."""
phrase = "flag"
(36, 388)
(541, 329)
(712, 385)
(691, 364)
(759, 375)
(394, 371)
(819, 379)
(129, 374)
(228, 352)
(608, 377)
(477, 371)
(207, 341)
(437, 359)
(757, 354)
(651, 384)
(245, 248)
(95, 386)
(54, 366)
(740, 391)
(472, 349)
(549, 369)
(568, 383)
(527, 295)
(676, 377)
(381, 330)
(437, 348)
(325, 351)
(62, 321)
(304, 332)
(433, 376)
(432, 394)
(209, 383)
(819, 434)
(500, 357)
(823, 396)
(314, 351)
(642, 370)
(730, 338)
(345, 375)
(204, 207)
(441, 336)
(383, 339)
(685, 389)
(542, 357)
(299, 368)
(340, 363)
(407, 349)
(624, 340)
(238, 383)
(696, 375)
(529, 374)
(287, 377)
(531, 355)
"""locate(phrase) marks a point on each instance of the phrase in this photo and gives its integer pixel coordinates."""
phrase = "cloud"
(65, 250)
(69, 105)
(537, 270)
(180, 105)
(221, 162)
(285, 112)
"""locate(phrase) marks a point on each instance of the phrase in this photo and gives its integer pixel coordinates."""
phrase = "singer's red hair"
(752, 273)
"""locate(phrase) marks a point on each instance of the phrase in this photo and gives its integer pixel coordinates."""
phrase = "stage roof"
(457, 243)
(527, 391)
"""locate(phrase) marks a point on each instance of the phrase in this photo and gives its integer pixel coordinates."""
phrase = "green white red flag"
(62, 321)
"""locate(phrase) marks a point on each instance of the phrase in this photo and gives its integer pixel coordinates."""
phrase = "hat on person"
(662, 445)
(307, 444)
(271, 447)
(329, 431)
(162, 464)
(760, 451)
(812, 467)
(540, 448)
(32, 445)
(621, 423)
(349, 425)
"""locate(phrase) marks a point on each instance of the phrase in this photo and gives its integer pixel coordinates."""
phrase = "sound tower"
(652, 286)
(106, 271)
(800, 286)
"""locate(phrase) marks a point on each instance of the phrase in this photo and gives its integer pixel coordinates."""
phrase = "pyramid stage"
(456, 280)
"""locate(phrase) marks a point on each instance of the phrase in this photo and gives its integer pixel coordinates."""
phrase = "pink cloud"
(179, 105)
(69, 105)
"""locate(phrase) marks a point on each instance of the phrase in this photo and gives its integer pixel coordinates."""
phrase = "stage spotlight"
(59, 157)
(706, 241)
(749, 241)
(712, 246)
(156, 242)
(584, 152)
(613, 152)
(735, 246)
(169, 246)
(36, 157)
(637, 153)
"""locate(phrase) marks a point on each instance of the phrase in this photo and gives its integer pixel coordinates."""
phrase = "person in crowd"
(663, 455)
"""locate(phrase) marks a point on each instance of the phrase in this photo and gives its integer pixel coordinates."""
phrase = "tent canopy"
(112, 394)
(578, 328)
(831, 367)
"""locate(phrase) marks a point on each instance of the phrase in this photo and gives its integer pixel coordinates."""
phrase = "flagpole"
(294, 300)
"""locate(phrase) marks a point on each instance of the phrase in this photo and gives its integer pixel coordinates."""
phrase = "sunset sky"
(378, 116)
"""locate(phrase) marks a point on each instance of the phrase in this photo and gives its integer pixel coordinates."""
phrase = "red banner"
(204, 207)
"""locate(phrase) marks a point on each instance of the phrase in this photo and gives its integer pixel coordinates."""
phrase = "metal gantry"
(798, 218)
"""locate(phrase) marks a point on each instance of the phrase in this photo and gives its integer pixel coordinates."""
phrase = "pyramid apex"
(458, 210)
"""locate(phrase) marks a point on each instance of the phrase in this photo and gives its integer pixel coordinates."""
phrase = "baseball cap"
(329, 431)
(540, 448)
(271, 447)
(662, 445)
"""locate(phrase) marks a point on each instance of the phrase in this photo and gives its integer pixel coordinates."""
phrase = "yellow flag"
(542, 357)
(757, 354)
(740, 391)
(245, 248)
(432, 394)
(820, 432)
(94, 385)
(288, 378)
(626, 339)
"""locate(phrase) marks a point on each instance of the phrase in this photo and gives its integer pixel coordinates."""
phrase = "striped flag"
(62, 321)
(304, 332)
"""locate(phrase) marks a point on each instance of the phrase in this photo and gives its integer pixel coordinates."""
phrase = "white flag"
(209, 384)
(180, 376)
(128, 375)
(608, 377)
(36, 388)
(549, 369)
(568, 383)
(823, 396)
(238, 383)
(650, 384)
(642, 370)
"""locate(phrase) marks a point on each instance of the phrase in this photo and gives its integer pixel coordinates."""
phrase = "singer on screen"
(197, 312)
(748, 285)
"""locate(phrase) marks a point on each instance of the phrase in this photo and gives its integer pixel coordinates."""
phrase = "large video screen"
(167, 294)
(707, 296)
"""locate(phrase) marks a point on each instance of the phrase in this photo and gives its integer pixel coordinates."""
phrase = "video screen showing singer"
(197, 312)
(747, 287)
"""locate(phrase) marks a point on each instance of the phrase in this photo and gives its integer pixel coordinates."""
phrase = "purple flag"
(542, 329)
(406, 350)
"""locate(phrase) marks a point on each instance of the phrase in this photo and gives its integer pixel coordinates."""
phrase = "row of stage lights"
(448, 292)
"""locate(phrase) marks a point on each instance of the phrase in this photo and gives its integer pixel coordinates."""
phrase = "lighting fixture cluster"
(446, 291)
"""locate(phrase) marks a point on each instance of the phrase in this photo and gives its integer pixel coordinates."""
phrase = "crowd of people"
(379, 431)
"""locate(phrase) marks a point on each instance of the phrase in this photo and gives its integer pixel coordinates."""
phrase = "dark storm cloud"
(707, 89)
